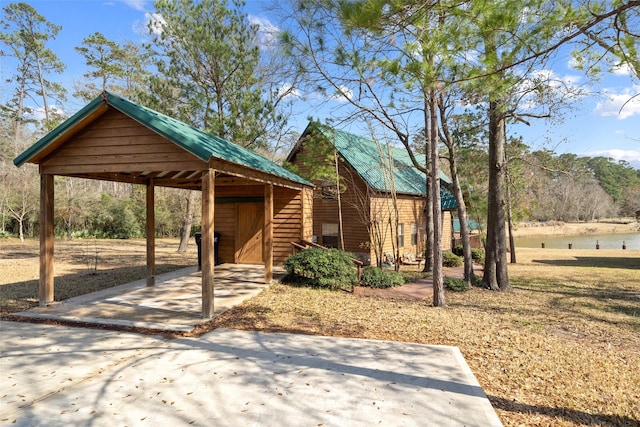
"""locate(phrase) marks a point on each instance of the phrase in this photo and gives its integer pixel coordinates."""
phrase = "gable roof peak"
(372, 161)
(199, 143)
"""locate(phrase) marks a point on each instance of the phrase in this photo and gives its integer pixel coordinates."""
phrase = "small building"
(256, 205)
(367, 172)
(474, 233)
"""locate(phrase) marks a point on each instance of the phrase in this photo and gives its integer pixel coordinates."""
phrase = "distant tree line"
(546, 186)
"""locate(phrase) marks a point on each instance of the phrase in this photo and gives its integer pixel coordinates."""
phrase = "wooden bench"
(410, 259)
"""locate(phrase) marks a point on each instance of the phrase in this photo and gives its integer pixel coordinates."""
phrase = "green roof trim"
(365, 156)
(199, 143)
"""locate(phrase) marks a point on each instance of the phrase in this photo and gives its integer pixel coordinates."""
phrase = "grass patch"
(414, 275)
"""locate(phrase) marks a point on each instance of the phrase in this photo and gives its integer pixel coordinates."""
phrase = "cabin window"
(330, 235)
(329, 190)
(414, 234)
(401, 235)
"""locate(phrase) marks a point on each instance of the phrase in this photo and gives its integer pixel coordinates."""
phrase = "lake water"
(606, 241)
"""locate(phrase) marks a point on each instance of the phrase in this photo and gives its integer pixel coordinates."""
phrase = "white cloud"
(537, 84)
(573, 63)
(136, 4)
(621, 105)
(54, 110)
(343, 94)
(288, 92)
(267, 31)
(631, 156)
(554, 80)
(622, 69)
(153, 20)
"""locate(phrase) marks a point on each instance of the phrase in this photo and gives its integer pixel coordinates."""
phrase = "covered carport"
(262, 206)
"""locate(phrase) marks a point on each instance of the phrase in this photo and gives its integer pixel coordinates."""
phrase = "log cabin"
(357, 184)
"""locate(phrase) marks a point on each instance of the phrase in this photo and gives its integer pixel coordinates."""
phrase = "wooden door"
(249, 223)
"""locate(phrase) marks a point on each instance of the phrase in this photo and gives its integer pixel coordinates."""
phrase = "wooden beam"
(267, 234)
(179, 182)
(139, 161)
(233, 181)
(46, 290)
(120, 167)
(207, 242)
(151, 234)
(112, 177)
(234, 169)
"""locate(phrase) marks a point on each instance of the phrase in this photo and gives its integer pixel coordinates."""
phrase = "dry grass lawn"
(562, 348)
(81, 266)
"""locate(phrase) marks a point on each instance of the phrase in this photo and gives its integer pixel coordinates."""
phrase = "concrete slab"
(173, 304)
(61, 376)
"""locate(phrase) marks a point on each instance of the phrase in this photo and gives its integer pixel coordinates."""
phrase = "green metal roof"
(471, 224)
(368, 159)
(201, 144)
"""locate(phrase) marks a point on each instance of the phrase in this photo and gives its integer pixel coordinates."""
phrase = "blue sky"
(599, 124)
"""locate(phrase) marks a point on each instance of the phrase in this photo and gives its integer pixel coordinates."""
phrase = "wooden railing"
(475, 240)
(304, 244)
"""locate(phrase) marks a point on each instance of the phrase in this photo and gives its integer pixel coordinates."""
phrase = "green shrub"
(477, 254)
(477, 281)
(82, 234)
(378, 278)
(449, 259)
(455, 284)
(457, 250)
(322, 268)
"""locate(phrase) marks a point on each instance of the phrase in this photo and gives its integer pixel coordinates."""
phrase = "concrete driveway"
(63, 376)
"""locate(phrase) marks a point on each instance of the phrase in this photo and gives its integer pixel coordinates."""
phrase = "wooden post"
(151, 235)
(207, 242)
(267, 234)
(45, 290)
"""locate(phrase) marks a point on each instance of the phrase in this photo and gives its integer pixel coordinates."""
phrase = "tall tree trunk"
(17, 137)
(68, 224)
(393, 214)
(495, 268)
(456, 188)
(438, 282)
(469, 275)
(340, 229)
(512, 244)
(428, 211)
(21, 229)
(3, 228)
(43, 89)
(187, 220)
